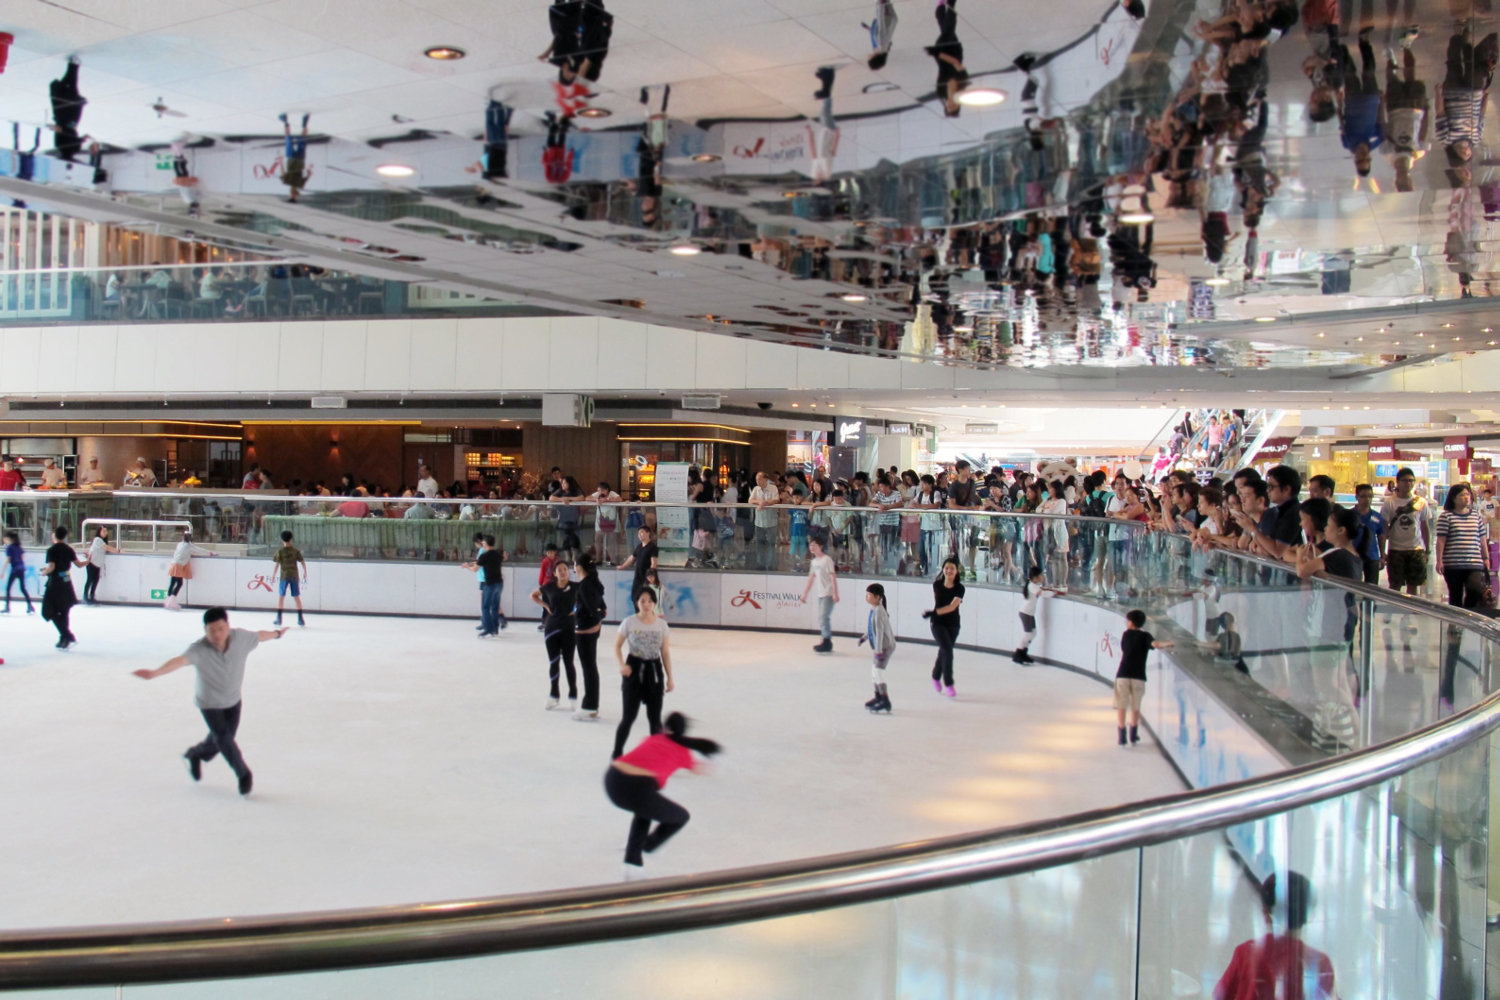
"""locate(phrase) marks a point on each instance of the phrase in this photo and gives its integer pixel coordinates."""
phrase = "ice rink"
(399, 760)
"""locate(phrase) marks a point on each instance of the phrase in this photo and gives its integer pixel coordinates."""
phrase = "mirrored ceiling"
(1248, 185)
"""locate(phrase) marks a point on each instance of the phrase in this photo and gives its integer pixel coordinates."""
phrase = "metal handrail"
(265, 945)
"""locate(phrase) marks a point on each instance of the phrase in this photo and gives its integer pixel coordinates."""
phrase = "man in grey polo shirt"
(220, 659)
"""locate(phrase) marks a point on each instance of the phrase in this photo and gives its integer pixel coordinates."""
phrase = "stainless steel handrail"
(391, 935)
(403, 934)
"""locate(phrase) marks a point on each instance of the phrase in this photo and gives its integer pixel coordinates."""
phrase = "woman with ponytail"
(882, 640)
(634, 783)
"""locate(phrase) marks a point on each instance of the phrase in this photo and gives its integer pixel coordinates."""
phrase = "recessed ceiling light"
(1421, 334)
(813, 405)
(707, 158)
(1360, 339)
(1447, 326)
(1492, 343)
(1137, 218)
(1265, 319)
(445, 52)
(687, 250)
(854, 297)
(595, 113)
(1485, 330)
(1216, 282)
(395, 170)
(1398, 343)
(981, 97)
(1458, 338)
(1322, 334)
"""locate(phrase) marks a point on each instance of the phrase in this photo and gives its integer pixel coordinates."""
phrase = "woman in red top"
(634, 783)
(1279, 966)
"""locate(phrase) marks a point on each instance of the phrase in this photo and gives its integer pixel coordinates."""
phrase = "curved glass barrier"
(1338, 742)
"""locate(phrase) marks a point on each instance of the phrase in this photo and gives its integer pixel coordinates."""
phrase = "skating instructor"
(220, 659)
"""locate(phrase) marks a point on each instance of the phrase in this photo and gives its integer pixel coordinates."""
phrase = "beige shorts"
(1129, 693)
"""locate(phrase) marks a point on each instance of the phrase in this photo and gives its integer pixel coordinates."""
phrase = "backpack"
(1094, 507)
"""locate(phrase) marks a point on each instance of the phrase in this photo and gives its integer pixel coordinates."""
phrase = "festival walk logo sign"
(774, 600)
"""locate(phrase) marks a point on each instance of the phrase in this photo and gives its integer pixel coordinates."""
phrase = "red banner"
(1273, 448)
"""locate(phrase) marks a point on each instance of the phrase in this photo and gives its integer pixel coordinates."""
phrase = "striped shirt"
(1461, 118)
(1466, 538)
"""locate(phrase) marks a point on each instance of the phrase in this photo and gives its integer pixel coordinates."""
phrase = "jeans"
(931, 550)
(17, 574)
(91, 584)
(489, 607)
(223, 723)
(560, 646)
(638, 794)
(947, 637)
(646, 685)
(588, 663)
(825, 617)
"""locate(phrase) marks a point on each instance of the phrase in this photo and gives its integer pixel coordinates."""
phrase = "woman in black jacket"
(591, 612)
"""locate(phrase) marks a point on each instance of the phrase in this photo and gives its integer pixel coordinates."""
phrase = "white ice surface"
(403, 760)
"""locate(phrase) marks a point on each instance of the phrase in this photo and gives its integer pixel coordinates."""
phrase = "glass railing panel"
(1379, 893)
(846, 952)
(1061, 932)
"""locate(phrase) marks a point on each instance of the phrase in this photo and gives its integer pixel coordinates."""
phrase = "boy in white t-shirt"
(822, 583)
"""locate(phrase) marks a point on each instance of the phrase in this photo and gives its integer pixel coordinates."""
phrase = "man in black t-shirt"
(489, 565)
(643, 559)
(1130, 680)
(963, 494)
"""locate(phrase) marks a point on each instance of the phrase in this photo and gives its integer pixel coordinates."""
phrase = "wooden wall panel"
(305, 452)
(767, 452)
(588, 454)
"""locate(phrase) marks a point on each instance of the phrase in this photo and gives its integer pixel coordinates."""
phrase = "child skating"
(822, 583)
(1031, 591)
(287, 559)
(1130, 680)
(882, 640)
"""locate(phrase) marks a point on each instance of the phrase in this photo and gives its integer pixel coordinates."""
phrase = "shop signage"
(1273, 448)
(1382, 451)
(981, 428)
(851, 432)
(900, 430)
(1455, 447)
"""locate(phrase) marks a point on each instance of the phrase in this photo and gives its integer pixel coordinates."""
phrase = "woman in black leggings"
(558, 600)
(590, 619)
(634, 783)
(647, 671)
(948, 594)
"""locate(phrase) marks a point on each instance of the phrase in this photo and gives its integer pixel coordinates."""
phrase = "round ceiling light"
(445, 52)
(595, 113)
(981, 97)
(395, 170)
(707, 158)
(1137, 218)
(687, 250)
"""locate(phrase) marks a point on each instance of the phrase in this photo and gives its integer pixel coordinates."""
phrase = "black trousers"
(1466, 586)
(646, 685)
(91, 584)
(947, 637)
(16, 576)
(174, 586)
(638, 794)
(223, 723)
(61, 623)
(588, 663)
(560, 655)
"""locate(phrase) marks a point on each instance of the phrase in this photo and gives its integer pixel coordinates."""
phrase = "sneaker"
(247, 780)
(194, 766)
(551, 704)
(948, 692)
